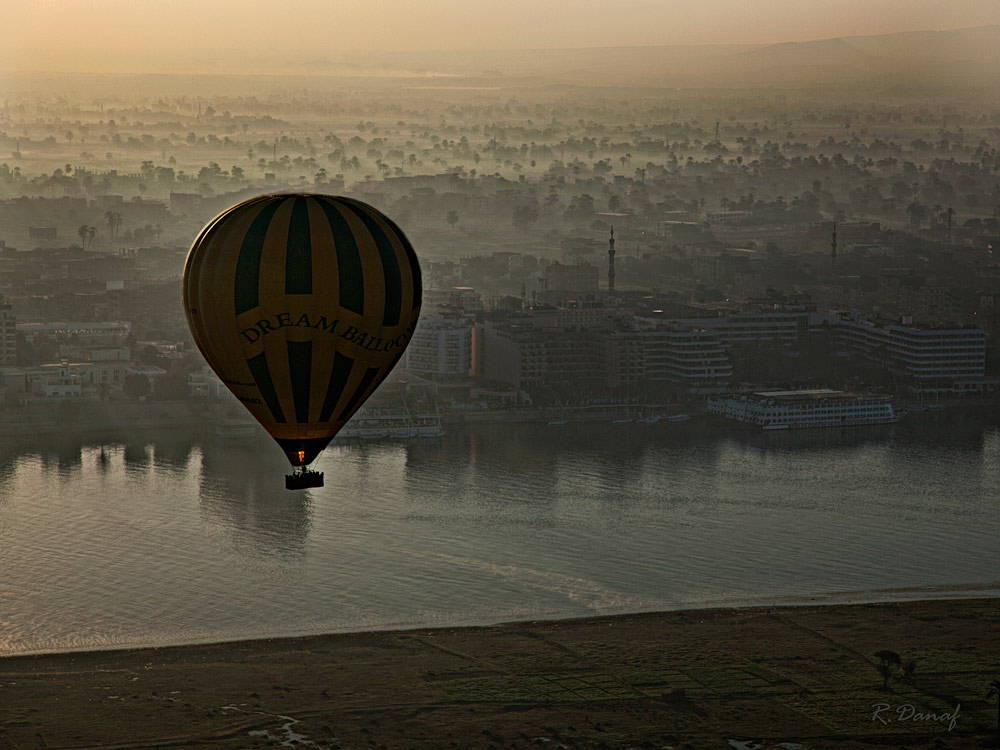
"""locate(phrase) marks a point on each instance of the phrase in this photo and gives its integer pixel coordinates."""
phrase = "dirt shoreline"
(683, 679)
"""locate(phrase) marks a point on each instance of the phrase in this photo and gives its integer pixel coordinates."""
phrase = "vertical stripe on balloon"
(298, 256)
(351, 276)
(248, 262)
(300, 370)
(390, 265)
(262, 377)
(411, 256)
(342, 366)
(366, 381)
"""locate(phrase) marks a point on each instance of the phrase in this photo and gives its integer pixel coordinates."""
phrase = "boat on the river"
(791, 410)
(396, 426)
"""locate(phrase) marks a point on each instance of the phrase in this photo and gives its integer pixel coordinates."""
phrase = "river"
(161, 540)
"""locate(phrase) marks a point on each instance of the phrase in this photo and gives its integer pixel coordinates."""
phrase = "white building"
(441, 348)
(61, 380)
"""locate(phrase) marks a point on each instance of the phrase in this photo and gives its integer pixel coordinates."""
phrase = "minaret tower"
(611, 261)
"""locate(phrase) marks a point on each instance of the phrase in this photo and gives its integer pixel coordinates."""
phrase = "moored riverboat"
(791, 410)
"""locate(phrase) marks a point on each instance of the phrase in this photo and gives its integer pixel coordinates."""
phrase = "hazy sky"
(208, 35)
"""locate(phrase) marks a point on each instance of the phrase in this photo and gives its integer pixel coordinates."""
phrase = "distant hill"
(963, 57)
(916, 61)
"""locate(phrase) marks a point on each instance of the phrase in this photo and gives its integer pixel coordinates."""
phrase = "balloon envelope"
(302, 304)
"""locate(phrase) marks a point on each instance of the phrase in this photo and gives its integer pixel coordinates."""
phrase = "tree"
(452, 218)
(114, 219)
(136, 385)
(889, 662)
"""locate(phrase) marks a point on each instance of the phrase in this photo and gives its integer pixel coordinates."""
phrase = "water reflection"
(62, 454)
(136, 456)
(172, 454)
(242, 490)
(103, 459)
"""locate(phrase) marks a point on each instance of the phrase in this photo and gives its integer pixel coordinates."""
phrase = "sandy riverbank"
(692, 679)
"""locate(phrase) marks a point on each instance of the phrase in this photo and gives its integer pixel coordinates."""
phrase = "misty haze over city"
(709, 325)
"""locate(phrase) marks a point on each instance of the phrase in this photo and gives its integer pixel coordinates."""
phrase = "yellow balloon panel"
(302, 304)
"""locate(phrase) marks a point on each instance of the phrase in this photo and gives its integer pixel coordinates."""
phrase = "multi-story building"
(691, 358)
(786, 326)
(945, 359)
(511, 353)
(452, 298)
(441, 348)
(528, 356)
(578, 277)
(8, 335)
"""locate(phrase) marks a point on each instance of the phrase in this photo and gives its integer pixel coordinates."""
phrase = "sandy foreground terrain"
(733, 678)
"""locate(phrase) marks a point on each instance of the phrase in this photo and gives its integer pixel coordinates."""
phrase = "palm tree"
(82, 231)
(114, 219)
(91, 234)
(452, 218)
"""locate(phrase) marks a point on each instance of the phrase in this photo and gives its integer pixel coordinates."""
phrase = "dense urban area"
(598, 253)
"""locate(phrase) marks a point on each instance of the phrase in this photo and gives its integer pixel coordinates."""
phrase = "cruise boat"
(370, 427)
(790, 410)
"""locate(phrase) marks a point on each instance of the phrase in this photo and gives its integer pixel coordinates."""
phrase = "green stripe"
(300, 369)
(411, 256)
(366, 381)
(248, 262)
(342, 366)
(298, 254)
(352, 279)
(262, 377)
(390, 264)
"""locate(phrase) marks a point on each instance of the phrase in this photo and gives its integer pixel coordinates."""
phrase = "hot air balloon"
(302, 304)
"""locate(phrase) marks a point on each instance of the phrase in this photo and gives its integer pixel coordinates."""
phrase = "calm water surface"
(167, 541)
